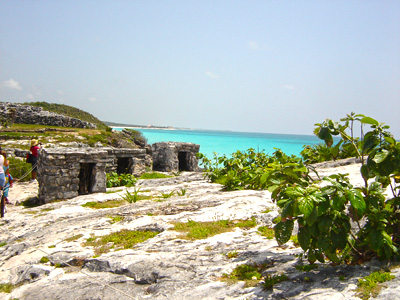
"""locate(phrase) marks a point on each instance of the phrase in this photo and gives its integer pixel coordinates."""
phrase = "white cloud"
(212, 75)
(92, 99)
(12, 84)
(288, 87)
(30, 96)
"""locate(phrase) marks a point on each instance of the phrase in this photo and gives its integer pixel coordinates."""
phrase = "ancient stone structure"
(174, 156)
(129, 161)
(65, 173)
(26, 114)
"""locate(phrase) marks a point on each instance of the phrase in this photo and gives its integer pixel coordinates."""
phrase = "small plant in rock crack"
(131, 198)
(167, 195)
(182, 192)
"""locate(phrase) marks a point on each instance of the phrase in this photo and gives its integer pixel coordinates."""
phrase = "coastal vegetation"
(325, 208)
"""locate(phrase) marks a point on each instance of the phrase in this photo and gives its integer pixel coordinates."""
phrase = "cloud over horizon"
(12, 84)
(212, 75)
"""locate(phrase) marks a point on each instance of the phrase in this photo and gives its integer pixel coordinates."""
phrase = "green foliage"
(324, 209)
(3, 244)
(115, 219)
(371, 284)
(254, 170)
(115, 180)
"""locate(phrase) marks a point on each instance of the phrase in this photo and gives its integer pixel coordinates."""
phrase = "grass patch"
(154, 175)
(105, 204)
(202, 230)
(232, 254)
(73, 238)
(372, 284)
(115, 219)
(7, 287)
(44, 260)
(269, 233)
(246, 223)
(248, 273)
(271, 279)
(123, 239)
(3, 244)
(47, 209)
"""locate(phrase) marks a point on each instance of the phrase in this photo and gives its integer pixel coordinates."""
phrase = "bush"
(115, 180)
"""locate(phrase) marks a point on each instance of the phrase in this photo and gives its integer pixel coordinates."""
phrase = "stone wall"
(26, 114)
(65, 173)
(175, 156)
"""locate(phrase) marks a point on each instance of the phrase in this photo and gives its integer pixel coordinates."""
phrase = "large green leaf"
(368, 120)
(357, 201)
(375, 239)
(283, 231)
(338, 202)
(381, 155)
(306, 205)
(304, 237)
(324, 224)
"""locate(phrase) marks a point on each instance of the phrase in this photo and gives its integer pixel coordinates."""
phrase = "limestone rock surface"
(166, 266)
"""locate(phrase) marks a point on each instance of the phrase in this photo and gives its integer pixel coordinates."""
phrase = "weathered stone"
(174, 157)
(26, 114)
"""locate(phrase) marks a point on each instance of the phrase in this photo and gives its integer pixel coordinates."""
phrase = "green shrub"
(115, 180)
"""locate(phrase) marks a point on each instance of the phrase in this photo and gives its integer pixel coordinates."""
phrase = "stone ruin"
(175, 157)
(65, 173)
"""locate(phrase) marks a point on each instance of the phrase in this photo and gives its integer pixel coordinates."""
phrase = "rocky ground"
(166, 266)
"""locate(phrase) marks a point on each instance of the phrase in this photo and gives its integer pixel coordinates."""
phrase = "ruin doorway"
(124, 165)
(86, 178)
(183, 158)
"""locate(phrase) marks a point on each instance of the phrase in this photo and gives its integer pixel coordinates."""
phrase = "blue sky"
(259, 66)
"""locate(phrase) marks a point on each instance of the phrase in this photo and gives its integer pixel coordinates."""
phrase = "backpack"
(29, 158)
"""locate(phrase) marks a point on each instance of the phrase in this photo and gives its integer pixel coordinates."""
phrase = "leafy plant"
(324, 213)
(131, 198)
(74, 238)
(115, 180)
(44, 260)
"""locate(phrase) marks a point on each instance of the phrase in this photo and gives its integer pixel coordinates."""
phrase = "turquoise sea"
(228, 142)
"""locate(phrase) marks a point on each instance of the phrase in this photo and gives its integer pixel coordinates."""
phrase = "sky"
(253, 66)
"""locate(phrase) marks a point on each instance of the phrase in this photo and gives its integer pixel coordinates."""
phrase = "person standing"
(34, 157)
